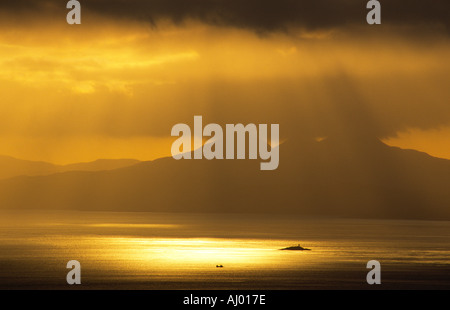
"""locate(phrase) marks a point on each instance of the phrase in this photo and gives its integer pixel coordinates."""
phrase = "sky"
(114, 86)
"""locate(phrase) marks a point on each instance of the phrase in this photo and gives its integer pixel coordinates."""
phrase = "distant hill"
(12, 167)
(334, 177)
(100, 165)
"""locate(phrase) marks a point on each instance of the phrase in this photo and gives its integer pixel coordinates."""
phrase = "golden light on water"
(172, 256)
(137, 226)
(166, 251)
(198, 253)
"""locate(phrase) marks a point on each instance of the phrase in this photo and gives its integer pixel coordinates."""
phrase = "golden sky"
(114, 87)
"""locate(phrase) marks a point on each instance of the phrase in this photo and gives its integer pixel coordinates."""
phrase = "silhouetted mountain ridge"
(334, 177)
(13, 167)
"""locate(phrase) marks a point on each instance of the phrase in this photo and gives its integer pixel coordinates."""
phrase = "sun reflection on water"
(188, 256)
(198, 252)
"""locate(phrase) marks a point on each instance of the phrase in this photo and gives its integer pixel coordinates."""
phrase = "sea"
(177, 251)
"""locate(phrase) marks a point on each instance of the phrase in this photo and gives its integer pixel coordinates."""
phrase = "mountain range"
(333, 178)
(12, 167)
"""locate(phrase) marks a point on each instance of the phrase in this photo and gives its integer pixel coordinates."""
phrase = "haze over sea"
(180, 251)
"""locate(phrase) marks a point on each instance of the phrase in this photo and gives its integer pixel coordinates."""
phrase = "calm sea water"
(181, 251)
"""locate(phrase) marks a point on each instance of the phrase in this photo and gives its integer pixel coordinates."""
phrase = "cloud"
(116, 77)
(136, 82)
(258, 15)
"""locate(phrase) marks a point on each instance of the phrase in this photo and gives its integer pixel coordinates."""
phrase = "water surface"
(181, 251)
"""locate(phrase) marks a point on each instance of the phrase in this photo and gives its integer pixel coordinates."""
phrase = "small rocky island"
(295, 248)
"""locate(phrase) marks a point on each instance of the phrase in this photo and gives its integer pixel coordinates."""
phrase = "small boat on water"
(295, 248)
(219, 266)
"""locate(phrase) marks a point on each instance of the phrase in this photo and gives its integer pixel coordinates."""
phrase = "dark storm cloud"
(257, 15)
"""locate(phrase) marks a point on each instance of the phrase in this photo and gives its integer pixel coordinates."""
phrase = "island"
(295, 248)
